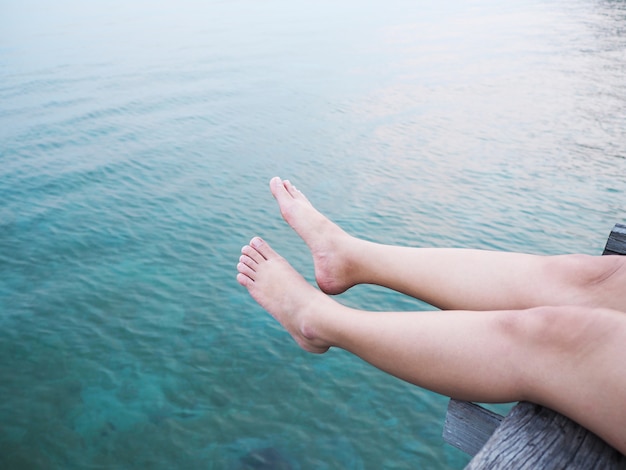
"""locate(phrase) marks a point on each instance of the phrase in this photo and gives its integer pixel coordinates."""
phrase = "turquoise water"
(136, 143)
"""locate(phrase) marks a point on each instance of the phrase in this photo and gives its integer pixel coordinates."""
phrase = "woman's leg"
(566, 358)
(451, 278)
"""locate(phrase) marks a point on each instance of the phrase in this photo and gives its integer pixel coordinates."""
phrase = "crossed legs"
(478, 355)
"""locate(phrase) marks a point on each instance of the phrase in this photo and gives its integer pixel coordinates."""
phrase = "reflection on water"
(137, 142)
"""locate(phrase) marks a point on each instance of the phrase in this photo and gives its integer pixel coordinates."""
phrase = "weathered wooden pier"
(531, 436)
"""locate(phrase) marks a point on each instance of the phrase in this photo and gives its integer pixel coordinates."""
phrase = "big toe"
(279, 191)
(263, 248)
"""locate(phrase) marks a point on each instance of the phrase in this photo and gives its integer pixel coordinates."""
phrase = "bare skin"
(435, 350)
(272, 281)
(473, 355)
(451, 278)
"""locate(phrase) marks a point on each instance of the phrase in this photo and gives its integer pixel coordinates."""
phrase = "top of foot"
(283, 292)
(329, 244)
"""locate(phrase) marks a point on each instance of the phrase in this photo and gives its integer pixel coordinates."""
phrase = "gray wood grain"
(534, 437)
(468, 426)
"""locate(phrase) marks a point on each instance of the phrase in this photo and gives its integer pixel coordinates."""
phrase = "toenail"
(256, 242)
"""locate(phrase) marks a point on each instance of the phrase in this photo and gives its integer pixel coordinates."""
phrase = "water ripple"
(134, 164)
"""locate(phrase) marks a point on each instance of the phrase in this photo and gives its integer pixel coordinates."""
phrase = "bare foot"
(329, 244)
(283, 292)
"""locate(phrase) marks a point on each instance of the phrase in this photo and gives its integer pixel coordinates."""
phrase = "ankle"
(316, 323)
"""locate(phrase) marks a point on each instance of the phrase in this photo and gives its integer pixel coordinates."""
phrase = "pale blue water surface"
(136, 143)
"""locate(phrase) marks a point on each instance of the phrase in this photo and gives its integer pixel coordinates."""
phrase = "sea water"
(136, 143)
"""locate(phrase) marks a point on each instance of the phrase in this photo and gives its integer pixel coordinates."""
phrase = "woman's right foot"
(329, 244)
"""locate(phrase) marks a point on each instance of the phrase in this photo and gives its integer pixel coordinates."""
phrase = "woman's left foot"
(283, 292)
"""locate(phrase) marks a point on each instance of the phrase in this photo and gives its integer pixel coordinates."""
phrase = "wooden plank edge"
(469, 426)
(532, 437)
(616, 243)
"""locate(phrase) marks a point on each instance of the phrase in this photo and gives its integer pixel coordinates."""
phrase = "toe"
(294, 192)
(245, 259)
(245, 270)
(263, 248)
(279, 190)
(244, 280)
(251, 254)
(291, 189)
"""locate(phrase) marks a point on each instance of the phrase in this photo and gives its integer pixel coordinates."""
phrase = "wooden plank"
(468, 426)
(616, 244)
(533, 437)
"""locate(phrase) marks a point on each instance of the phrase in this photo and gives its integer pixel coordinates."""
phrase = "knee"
(582, 274)
(549, 341)
(559, 328)
(560, 349)
(549, 335)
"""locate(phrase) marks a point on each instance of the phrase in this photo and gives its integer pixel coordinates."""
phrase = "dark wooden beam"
(616, 244)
